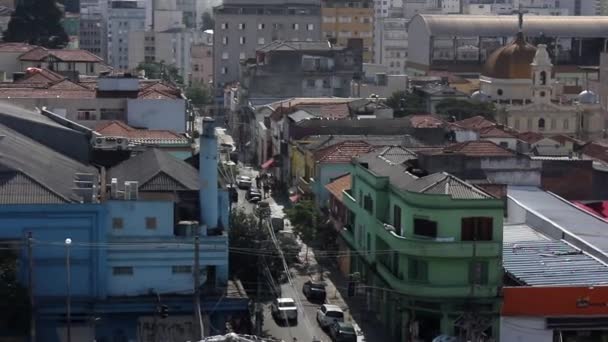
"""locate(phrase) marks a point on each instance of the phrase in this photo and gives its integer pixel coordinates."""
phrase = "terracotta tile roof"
(16, 47)
(477, 148)
(475, 123)
(426, 121)
(40, 75)
(160, 86)
(142, 136)
(494, 132)
(562, 139)
(596, 150)
(309, 101)
(530, 137)
(155, 95)
(45, 93)
(67, 85)
(40, 54)
(332, 111)
(342, 152)
(338, 185)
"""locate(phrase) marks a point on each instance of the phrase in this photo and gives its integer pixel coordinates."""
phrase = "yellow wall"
(298, 163)
(361, 25)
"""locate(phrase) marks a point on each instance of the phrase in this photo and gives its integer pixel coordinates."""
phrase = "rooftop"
(338, 185)
(426, 121)
(16, 47)
(474, 148)
(342, 152)
(475, 123)
(535, 260)
(530, 137)
(39, 54)
(494, 132)
(315, 142)
(279, 45)
(141, 136)
(569, 222)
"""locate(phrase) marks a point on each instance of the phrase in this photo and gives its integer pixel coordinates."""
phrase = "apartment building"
(241, 28)
(202, 63)
(343, 19)
(390, 44)
(93, 37)
(123, 17)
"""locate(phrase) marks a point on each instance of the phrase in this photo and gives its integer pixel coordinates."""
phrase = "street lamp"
(68, 242)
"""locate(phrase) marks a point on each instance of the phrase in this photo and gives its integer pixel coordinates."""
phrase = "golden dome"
(511, 61)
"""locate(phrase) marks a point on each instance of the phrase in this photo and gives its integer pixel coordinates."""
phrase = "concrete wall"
(121, 21)
(90, 69)
(71, 106)
(324, 174)
(157, 114)
(524, 329)
(9, 64)
(570, 179)
(202, 64)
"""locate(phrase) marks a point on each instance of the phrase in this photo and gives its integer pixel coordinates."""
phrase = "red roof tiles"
(426, 121)
(530, 137)
(121, 129)
(338, 185)
(343, 152)
(16, 47)
(39, 54)
(478, 148)
(494, 132)
(475, 123)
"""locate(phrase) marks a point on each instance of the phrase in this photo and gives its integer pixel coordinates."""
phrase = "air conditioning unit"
(114, 188)
(131, 190)
(110, 143)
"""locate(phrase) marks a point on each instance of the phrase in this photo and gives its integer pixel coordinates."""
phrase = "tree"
(14, 301)
(199, 94)
(305, 220)
(462, 109)
(37, 22)
(162, 71)
(208, 21)
(404, 103)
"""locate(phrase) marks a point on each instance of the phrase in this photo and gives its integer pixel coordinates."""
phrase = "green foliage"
(462, 109)
(208, 21)
(37, 22)
(161, 71)
(305, 219)
(404, 103)
(14, 302)
(199, 94)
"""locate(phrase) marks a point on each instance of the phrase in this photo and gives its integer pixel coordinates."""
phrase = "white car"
(285, 309)
(243, 182)
(329, 314)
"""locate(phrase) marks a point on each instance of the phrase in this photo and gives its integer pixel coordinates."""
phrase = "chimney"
(208, 176)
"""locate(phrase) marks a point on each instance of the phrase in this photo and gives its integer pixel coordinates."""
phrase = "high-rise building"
(344, 19)
(242, 27)
(123, 17)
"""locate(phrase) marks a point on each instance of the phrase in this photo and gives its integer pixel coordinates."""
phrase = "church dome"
(480, 96)
(587, 97)
(511, 61)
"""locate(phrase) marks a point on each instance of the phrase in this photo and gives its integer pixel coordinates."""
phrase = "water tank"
(186, 228)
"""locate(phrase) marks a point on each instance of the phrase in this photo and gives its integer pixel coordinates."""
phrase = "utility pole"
(30, 277)
(68, 242)
(198, 328)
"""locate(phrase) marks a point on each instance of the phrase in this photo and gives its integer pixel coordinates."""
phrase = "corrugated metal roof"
(17, 188)
(521, 232)
(507, 25)
(538, 263)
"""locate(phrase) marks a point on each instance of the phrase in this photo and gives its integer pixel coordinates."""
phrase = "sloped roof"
(562, 139)
(530, 137)
(596, 150)
(278, 45)
(142, 136)
(327, 111)
(475, 123)
(157, 170)
(551, 150)
(154, 94)
(16, 47)
(40, 53)
(46, 174)
(426, 121)
(17, 188)
(478, 148)
(342, 152)
(40, 75)
(494, 132)
(338, 185)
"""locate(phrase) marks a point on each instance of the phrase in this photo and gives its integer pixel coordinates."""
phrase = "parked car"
(314, 291)
(284, 309)
(342, 332)
(253, 195)
(329, 314)
(243, 182)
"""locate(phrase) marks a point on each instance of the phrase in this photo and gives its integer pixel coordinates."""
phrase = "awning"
(294, 198)
(267, 164)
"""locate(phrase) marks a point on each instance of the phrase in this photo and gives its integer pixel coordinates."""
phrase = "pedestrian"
(258, 182)
(266, 190)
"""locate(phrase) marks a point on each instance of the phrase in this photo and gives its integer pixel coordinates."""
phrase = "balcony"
(433, 290)
(437, 248)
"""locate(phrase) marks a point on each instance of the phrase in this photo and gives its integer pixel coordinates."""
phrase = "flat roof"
(589, 229)
(507, 25)
(535, 260)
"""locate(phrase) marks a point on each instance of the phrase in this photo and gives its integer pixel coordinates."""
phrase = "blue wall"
(325, 173)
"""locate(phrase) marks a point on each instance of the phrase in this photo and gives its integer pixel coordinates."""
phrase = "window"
(224, 26)
(122, 270)
(516, 123)
(329, 19)
(310, 27)
(553, 123)
(260, 40)
(181, 269)
(150, 222)
(417, 270)
(478, 272)
(224, 70)
(542, 94)
(368, 204)
(224, 40)
(529, 123)
(499, 92)
(242, 56)
(117, 223)
(85, 114)
(111, 114)
(397, 219)
(504, 144)
(344, 19)
(565, 124)
(424, 227)
(541, 124)
(476, 229)
(241, 26)
(310, 83)
(295, 27)
(224, 55)
(261, 26)
(196, 67)
(242, 40)
(326, 83)
(543, 79)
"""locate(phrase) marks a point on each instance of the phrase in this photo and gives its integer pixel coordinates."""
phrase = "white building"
(450, 6)
(391, 44)
(123, 17)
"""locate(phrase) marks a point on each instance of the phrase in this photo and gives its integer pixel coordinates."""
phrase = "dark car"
(314, 291)
(253, 195)
(342, 332)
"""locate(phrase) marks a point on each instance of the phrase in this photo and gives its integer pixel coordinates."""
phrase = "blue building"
(132, 247)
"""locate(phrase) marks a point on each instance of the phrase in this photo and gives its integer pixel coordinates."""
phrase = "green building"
(428, 249)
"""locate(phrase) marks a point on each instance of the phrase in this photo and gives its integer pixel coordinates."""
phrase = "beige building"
(344, 19)
(202, 64)
(519, 78)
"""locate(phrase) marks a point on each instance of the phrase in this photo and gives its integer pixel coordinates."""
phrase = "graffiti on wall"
(170, 329)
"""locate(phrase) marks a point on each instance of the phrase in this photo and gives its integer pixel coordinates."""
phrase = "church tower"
(542, 79)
